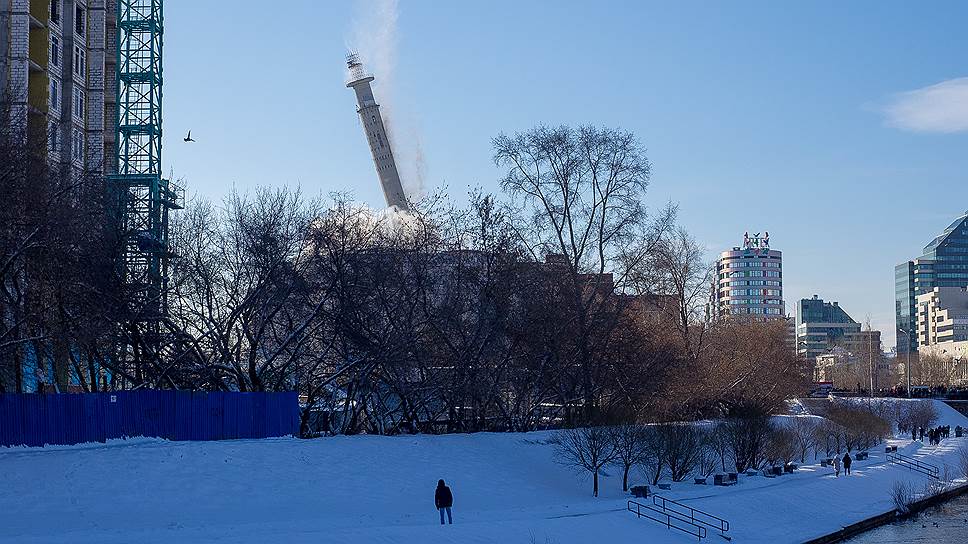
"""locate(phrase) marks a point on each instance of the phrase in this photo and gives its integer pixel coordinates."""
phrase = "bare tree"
(631, 448)
(56, 273)
(586, 448)
(677, 268)
(749, 365)
(582, 192)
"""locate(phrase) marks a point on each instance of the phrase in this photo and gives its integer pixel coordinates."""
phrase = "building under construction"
(58, 77)
(84, 78)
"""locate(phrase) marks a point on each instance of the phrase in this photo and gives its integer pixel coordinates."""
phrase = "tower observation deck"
(376, 133)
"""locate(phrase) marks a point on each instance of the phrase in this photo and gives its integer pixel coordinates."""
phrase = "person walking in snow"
(847, 462)
(837, 467)
(922, 434)
(444, 500)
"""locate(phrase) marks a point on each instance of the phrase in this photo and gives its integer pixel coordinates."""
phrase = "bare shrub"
(963, 462)
(654, 453)
(859, 426)
(903, 496)
(747, 432)
(710, 455)
(804, 436)
(586, 449)
(683, 449)
(717, 442)
(780, 447)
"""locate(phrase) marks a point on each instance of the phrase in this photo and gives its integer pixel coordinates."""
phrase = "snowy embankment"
(380, 489)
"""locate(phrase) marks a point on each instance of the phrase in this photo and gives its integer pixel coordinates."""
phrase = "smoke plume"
(374, 36)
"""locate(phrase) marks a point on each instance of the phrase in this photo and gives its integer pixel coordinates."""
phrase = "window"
(77, 145)
(80, 61)
(55, 11)
(54, 94)
(54, 139)
(79, 20)
(78, 103)
(54, 50)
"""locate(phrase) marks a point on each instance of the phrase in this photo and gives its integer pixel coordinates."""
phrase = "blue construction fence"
(39, 419)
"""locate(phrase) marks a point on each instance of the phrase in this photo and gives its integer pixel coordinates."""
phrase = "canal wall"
(874, 522)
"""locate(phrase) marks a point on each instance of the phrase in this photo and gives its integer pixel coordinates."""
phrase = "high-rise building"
(749, 280)
(943, 263)
(823, 326)
(942, 316)
(57, 74)
(376, 133)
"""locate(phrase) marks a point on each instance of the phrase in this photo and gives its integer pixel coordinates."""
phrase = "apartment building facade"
(58, 78)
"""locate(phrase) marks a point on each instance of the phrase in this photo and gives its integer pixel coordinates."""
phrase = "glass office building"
(822, 325)
(943, 263)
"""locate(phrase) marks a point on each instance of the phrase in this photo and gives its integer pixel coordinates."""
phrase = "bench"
(640, 491)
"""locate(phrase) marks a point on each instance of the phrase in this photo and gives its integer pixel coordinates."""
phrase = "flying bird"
(189, 137)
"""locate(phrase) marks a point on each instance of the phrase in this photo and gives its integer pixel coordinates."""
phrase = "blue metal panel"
(125, 401)
(112, 415)
(230, 410)
(198, 421)
(35, 420)
(259, 416)
(73, 407)
(183, 415)
(168, 409)
(292, 407)
(93, 430)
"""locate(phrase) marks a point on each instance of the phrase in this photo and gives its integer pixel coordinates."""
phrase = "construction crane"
(144, 198)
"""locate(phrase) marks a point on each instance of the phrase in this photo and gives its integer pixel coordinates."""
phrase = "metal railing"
(914, 464)
(695, 516)
(670, 519)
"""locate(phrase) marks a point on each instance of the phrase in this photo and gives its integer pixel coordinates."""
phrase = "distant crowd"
(900, 391)
(934, 435)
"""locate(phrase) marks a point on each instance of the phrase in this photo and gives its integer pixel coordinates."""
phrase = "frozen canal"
(943, 524)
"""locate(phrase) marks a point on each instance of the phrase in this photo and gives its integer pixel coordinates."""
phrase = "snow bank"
(380, 489)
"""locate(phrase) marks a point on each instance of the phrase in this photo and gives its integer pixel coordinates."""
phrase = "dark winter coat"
(847, 460)
(443, 497)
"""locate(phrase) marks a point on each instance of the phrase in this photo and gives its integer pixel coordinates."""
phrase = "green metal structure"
(144, 197)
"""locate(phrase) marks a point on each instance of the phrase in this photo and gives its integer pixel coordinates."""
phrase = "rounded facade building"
(749, 280)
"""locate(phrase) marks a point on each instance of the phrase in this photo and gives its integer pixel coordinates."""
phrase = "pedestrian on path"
(444, 500)
(847, 462)
(837, 467)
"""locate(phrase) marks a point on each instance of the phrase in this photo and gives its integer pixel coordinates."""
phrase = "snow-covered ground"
(380, 489)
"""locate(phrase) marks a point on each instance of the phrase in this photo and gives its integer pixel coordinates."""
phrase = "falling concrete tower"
(376, 133)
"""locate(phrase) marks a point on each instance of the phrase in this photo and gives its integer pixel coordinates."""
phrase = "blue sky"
(816, 121)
